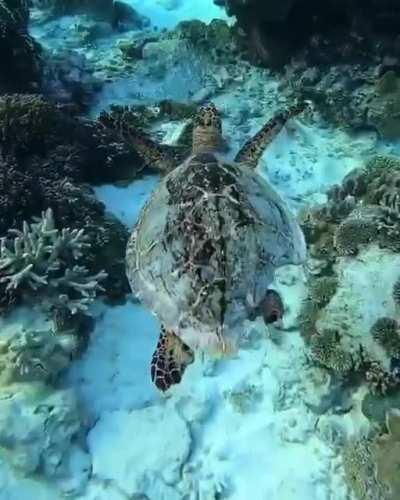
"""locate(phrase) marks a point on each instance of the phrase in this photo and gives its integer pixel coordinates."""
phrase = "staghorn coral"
(41, 257)
(325, 349)
(386, 332)
(30, 356)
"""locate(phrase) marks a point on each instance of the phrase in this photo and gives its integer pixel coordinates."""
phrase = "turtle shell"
(206, 247)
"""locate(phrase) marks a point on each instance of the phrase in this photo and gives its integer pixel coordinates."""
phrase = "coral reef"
(41, 257)
(326, 350)
(359, 467)
(386, 332)
(371, 464)
(359, 228)
(45, 133)
(20, 64)
(47, 165)
(360, 218)
(119, 14)
(344, 31)
(35, 356)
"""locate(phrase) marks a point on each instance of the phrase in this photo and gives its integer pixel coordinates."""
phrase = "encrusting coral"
(372, 463)
(30, 356)
(360, 470)
(41, 257)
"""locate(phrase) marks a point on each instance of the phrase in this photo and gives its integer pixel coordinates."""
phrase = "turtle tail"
(169, 360)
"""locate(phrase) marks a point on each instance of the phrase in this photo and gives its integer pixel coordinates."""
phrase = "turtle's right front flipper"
(253, 149)
(169, 360)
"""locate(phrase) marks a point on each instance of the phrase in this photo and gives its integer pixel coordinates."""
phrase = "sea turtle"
(207, 243)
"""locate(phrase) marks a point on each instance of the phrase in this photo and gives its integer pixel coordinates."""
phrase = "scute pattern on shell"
(206, 247)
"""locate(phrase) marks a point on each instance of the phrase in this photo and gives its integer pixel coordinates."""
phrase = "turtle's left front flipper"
(253, 149)
(161, 157)
(169, 360)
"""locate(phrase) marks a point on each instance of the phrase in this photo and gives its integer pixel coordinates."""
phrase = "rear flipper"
(270, 308)
(169, 360)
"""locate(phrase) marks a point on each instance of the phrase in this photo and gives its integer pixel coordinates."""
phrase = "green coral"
(41, 257)
(375, 406)
(360, 470)
(325, 349)
(386, 332)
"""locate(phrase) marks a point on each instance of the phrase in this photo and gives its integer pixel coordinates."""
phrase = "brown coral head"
(207, 130)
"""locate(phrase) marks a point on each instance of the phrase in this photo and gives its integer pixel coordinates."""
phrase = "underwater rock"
(20, 64)
(37, 427)
(43, 130)
(363, 284)
(323, 32)
(386, 452)
(119, 14)
(147, 471)
(376, 406)
(384, 106)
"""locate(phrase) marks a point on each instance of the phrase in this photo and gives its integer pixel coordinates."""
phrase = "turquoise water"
(296, 397)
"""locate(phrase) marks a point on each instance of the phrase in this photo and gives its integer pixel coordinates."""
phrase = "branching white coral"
(44, 257)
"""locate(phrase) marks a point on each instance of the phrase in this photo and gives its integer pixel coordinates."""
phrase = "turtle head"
(207, 130)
